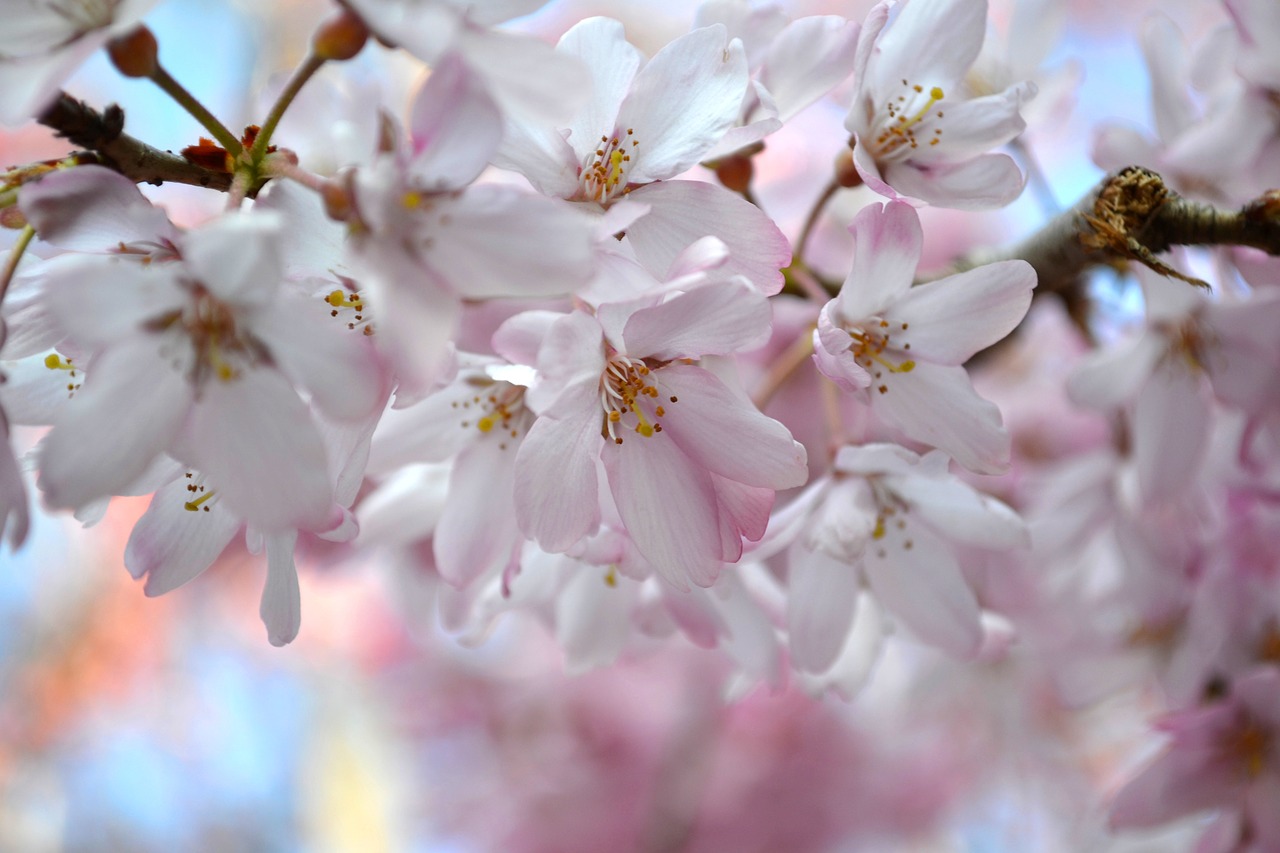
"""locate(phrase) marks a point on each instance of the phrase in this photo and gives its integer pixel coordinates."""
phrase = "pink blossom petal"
(281, 605)
(556, 486)
(477, 533)
(1180, 782)
(962, 514)
(937, 405)
(125, 414)
(335, 365)
(932, 42)
(98, 301)
(744, 510)
(528, 79)
(683, 101)
(682, 212)
(917, 579)
(724, 433)
(456, 127)
(170, 545)
(593, 621)
(601, 45)
(983, 183)
(237, 257)
(952, 318)
(886, 249)
(820, 607)
(832, 357)
(493, 241)
(807, 59)
(668, 504)
(257, 444)
(15, 518)
(713, 319)
(1171, 420)
(1110, 378)
(93, 209)
(977, 125)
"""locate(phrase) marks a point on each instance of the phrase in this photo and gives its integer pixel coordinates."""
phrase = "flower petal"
(716, 318)
(556, 482)
(171, 544)
(723, 433)
(281, 605)
(886, 249)
(820, 607)
(92, 209)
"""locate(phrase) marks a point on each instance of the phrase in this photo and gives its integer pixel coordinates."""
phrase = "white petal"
(256, 442)
(1171, 421)
(601, 45)
(495, 241)
(98, 301)
(93, 209)
(456, 127)
(125, 415)
(281, 605)
(477, 534)
(983, 183)
(932, 42)
(807, 60)
(724, 433)
(171, 544)
(887, 241)
(960, 513)
(922, 586)
(952, 318)
(937, 405)
(1109, 378)
(237, 257)
(682, 212)
(668, 505)
(683, 101)
(556, 484)
(717, 318)
(820, 607)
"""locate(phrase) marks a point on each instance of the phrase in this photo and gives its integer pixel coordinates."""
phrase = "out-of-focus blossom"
(891, 519)
(1224, 755)
(44, 41)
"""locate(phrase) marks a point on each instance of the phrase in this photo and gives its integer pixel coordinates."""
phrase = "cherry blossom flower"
(44, 41)
(793, 64)
(423, 240)
(199, 350)
(646, 123)
(691, 465)
(1224, 755)
(901, 347)
(522, 74)
(1191, 350)
(892, 518)
(914, 136)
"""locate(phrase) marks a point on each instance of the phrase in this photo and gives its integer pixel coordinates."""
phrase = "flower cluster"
(519, 342)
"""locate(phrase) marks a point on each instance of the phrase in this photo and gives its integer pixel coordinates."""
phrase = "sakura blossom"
(643, 427)
(915, 135)
(902, 347)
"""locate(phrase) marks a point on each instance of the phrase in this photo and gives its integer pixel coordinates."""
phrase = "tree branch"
(103, 135)
(1132, 216)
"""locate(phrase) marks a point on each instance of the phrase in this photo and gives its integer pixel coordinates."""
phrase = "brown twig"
(103, 135)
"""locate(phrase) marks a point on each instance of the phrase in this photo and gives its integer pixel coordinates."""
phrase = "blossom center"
(217, 347)
(604, 171)
(905, 122)
(53, 361)
(630, 399)
(348, 304)
(499, 411)
(198, 496)
(877, 348)
(1247, 745)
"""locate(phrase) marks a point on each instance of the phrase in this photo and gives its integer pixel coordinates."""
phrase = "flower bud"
(339, 38)
(134, 53)
(735, 172)
(846, 173)
(12, 217)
